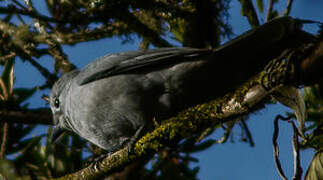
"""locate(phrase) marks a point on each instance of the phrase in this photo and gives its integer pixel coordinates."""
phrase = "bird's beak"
(56, 133)
(45, 98)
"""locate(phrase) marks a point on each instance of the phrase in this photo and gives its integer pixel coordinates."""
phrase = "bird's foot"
(95, 162)
(134, 139)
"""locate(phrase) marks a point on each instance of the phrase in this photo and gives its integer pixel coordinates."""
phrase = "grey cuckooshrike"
(117, 95)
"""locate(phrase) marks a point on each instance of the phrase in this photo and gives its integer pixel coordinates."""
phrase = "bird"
(117, 96)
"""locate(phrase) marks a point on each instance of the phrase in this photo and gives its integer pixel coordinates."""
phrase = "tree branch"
(276, 148)
(117, 28)
(34, 116)
(244, 100)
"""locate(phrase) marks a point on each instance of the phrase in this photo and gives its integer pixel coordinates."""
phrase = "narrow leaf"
(3, 89)
(290, 96)
(260, 4)
(7, 76)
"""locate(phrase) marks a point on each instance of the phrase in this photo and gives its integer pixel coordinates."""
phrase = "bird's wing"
(135, 61)
(258, 41)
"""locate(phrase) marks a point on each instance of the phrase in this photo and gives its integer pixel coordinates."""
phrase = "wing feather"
(134, 61)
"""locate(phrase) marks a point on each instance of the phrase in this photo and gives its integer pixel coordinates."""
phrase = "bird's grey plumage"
(112, 97)
(137, 87)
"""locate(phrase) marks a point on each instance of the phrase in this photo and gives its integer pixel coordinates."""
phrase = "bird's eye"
(56, 103)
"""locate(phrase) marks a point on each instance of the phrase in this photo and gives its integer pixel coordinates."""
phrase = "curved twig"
(276, 147)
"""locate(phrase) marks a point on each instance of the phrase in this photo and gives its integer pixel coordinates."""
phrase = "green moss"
(191, 121)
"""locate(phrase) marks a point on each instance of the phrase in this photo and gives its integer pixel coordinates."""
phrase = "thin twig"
(276, 148)
(296, 151)
(40, 68)
(4, 140)
(288, 7)
(18, 4)
(269, 10)
(204, 134)
(8, 56)
(20, 19)
(248, 133)
(225, 136)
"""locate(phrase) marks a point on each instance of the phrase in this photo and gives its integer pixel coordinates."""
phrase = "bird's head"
(57, 103)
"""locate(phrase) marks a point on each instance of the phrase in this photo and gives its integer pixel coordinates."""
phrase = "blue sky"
(230, 161)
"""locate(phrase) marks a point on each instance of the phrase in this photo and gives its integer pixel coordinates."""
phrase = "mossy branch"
(247, 98)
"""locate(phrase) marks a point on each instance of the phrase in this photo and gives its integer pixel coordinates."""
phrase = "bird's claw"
(134, 139)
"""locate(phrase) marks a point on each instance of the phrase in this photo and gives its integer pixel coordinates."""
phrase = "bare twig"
(296, 150)
(8, 56)
(276, 148)
(41, 69)
(288, 7)
(248, 133)
(4, 140)
(204, 134)
(225, 136)
(20, 19)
